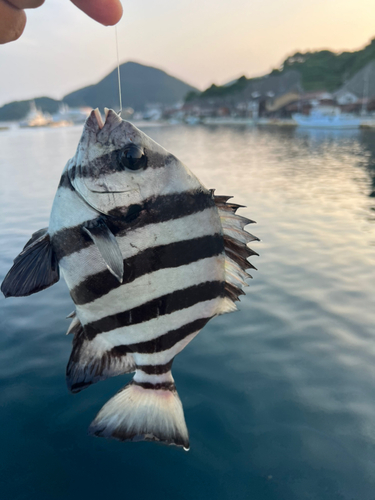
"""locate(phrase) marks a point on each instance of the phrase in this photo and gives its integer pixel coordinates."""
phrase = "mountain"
(139, 84)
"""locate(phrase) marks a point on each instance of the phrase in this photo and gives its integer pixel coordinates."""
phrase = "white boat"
(327, 117)
(36, 118)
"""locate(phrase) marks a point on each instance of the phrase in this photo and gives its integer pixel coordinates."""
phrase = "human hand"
(13, 17)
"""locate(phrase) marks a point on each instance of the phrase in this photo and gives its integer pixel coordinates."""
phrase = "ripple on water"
(279, 398)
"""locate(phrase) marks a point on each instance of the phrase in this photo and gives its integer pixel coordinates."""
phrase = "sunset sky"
(199, 41)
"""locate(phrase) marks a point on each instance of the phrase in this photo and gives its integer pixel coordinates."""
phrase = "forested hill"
(320, 70)
(326, 70)
(17, 110)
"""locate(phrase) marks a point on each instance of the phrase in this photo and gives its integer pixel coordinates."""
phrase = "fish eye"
(132, 158)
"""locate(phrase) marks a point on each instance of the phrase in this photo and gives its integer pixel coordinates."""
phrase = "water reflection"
(279, 398)
(360, 143)
(368, 158)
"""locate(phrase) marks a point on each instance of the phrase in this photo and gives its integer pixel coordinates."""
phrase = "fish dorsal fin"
(34, 269)
(235, 245)
(107, 245)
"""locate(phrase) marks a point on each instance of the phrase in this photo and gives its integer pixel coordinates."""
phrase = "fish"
(149, 256)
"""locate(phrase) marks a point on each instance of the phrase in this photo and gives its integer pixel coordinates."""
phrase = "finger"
(107, 12)
(26, 4)
(12, 22)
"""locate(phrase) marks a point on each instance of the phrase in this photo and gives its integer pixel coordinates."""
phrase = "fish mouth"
(111, 118)
(98, 126)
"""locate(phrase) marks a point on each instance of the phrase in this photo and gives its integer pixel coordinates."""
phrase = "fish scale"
(149, 256)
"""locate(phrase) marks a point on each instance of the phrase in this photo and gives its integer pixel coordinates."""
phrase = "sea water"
(279, 397)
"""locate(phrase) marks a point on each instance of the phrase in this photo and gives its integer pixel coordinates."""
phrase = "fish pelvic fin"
(35, 268)
(144, 411)
(236, 239)
(107, 245)
(89, 364)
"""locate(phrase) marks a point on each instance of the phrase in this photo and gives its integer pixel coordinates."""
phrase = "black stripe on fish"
(159, 386)
(156, 369)
(150, 260)
(170, 206)
(161, 343)
(65, 181)
(122, 220)
(109, 164)
(166, 304)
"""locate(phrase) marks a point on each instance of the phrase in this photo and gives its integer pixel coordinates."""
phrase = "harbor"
(289, 96)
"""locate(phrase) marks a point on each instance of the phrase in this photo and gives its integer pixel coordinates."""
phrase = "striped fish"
(149, 256)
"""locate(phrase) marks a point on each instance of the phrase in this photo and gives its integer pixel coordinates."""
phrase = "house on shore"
(358, 93)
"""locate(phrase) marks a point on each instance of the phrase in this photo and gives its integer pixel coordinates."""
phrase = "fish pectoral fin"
(36, 235)
(34, 269)
(107, 245)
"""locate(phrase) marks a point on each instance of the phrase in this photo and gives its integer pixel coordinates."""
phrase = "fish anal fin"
(107, 245)
(34, 269)
(92, 360)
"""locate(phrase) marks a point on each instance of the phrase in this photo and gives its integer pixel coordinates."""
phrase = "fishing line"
(118, 73)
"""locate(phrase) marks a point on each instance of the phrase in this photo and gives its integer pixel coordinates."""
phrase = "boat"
(327, 117)
(36, 118)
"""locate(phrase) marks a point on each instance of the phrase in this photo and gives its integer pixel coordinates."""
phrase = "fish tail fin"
(144, 410)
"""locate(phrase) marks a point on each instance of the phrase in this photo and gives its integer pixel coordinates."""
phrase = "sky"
(199, 41)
